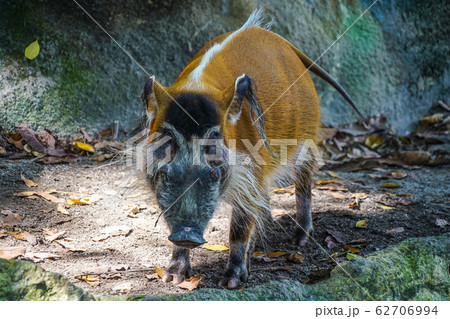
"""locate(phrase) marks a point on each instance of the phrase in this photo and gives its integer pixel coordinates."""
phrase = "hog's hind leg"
(303, 178)
(179, 267)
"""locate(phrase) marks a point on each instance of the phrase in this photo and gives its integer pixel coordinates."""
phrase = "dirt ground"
(128, 261)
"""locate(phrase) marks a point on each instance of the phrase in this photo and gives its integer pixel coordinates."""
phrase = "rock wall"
(393, 60)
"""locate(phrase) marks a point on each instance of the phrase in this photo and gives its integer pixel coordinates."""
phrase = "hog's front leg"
(241, 228)
(179, 267)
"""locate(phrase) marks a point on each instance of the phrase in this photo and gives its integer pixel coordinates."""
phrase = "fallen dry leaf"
(30, 137)
(359, 195)
(404, 195)
(288, 189)
(56, 236)
(276, 254)
(62, 209)
(327, 181)
(339, 195)
(101, 237)
(334, 174)
(44, 194)
(28, 182)
(362, 223)
(395, 230)
(389, 185)
(121, 230)
(257, 253)
(152, 277)
(351, 249)
(11, 218)
(159, 271)
(92, 280)
(9, 253)
(84, 146)
(78, 201)
(336, 235)
(441, 222)
(113, 276)
(39, 257)
(332, 187)
(357, 241)
(24, 235)
(123, 287)
(355, 203)
(386, 207)
(373, 141)
(215, 247)
(3, 233)
(191, 283)
(296, 258)
(331, 242)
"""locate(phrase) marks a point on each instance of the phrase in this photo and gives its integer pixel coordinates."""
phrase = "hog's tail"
(317, 70)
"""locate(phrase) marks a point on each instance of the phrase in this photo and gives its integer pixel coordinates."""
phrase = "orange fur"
(274, 64)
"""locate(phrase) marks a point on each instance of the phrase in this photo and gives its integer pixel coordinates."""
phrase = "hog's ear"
(149, 99)
(242, 89)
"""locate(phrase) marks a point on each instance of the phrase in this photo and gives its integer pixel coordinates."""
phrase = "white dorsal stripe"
(255, 19)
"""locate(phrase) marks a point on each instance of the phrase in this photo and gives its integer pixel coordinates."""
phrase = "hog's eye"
(214, 154)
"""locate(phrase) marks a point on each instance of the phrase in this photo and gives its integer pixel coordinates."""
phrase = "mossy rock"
(393, 60)
(415, 269)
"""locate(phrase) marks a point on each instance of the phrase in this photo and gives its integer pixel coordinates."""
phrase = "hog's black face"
(189, 169)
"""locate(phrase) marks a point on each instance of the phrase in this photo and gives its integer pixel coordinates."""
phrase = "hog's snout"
(187, 237)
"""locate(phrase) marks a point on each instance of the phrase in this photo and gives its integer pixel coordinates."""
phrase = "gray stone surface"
(416, 269)
(393, 60)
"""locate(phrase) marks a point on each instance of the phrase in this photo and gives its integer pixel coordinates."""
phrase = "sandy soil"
(128, 261)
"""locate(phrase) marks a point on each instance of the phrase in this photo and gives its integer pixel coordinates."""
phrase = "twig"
(444, 106)
(115, 272)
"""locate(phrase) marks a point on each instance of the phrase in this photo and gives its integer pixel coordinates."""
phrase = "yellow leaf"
(334, 174)
(257, 253)
(78, 201)
(374, 141)
(363, 223)
(84, 146)
(215, 247)
(32, 51)
(159, 271)
(387, 207)
(327, 181)
(92, 280)
(389, 185)
(289, 189)
(351, 249)
(277, 254)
